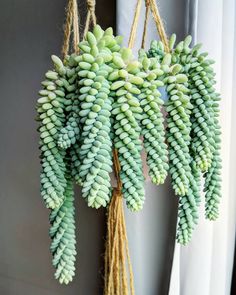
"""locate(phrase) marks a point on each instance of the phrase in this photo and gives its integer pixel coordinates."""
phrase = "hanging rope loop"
(147, 2)
(91, 5)
(159, 24)
(71, 24)
(150, 5)
(67, 30)
(135, 24)
(91, 16)
(75, 27)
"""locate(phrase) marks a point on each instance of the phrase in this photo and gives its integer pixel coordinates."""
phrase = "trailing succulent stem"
(193, 131)
(126, 110)
(102, 99)
(51, 116)
(152, 122)
(62, 233)
(94, 91)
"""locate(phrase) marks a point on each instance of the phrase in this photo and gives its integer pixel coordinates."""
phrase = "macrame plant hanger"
(152, 6)
(118, 277)
(117, 257)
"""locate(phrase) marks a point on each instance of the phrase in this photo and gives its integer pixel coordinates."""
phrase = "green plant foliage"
(212, 186)
(69, 134)
(75, 162)
(51, 118)
(178, 109)
(94, 90)
(202, 119)
(205, 133)
(188, 207)
(152, 122)
(103, 99)
(127, 115)
(194, 146)
(62, 233)
(54, 107)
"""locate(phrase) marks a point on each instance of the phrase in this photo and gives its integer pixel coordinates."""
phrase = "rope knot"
(91, 5)
(117, 191)
(91, 17)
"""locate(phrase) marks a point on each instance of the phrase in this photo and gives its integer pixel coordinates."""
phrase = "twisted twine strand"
(150, 5)
(134, 26)
(72, 20)
(117, 252)
(91, 16)
(159, 25)
(117, 170)
(75, 27)
(67, 29)
(117, 243)
(145, 22)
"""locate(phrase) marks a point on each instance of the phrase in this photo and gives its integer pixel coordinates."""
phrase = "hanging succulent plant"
(152, 122)
(126, 111)
(205, 133)
(100, 106)
(212, 185)
(53, 108)
(51, 118)
(96, 145)
(62, 233)
(193, 132)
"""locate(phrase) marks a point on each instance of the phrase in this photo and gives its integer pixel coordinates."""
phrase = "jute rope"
(91, 15)
(117, 256)
(71, 23)
(150, 5)
(145, 23)
(134, 26)
(75, 27)
(159, 24)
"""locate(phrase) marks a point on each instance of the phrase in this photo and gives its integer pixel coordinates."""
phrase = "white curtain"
(205, 265)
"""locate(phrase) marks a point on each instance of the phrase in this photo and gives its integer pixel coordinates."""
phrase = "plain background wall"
(30, 31)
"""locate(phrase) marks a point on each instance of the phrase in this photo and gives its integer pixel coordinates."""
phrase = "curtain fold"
(191, 19)
(205, 265)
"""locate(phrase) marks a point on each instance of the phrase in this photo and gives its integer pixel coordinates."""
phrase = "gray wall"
(30, 31)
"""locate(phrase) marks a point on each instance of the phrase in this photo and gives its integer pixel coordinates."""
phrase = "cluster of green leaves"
(103, 99)
(92, 102)
(193, 131)
(54, 108)
(152, 122)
